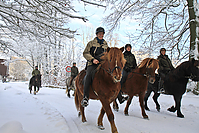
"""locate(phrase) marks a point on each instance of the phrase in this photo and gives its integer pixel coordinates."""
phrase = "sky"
(95, 15)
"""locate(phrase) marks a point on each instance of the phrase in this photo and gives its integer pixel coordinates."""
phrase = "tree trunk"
(194, 29)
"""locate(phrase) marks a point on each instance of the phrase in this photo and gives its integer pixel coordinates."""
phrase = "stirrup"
(84, 102)
(162, 90)
(124, 99)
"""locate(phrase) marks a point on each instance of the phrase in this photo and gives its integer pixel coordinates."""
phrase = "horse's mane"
(183, 65)
(149, 62)
(107, 56)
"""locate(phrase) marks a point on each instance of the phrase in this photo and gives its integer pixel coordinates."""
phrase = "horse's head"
(150, 65)
(194, 68)
(114, 60)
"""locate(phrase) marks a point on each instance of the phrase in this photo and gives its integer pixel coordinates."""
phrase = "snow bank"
(12, 127)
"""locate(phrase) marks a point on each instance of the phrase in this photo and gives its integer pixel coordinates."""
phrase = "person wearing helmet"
(74, 72)
(165, 66)
(92, 53)
(129, 66)
(36, 72)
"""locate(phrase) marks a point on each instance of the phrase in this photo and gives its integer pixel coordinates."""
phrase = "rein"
(145, 75)
(191, 76)
(109, 71)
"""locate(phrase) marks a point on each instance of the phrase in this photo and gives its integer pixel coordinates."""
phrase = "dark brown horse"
(137, 81)
(175, 84)
(105, 86)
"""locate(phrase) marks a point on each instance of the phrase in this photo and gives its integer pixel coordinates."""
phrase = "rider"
(36, 72)
(92, 54)
(129, 66)
(74, 72)
(165, 66)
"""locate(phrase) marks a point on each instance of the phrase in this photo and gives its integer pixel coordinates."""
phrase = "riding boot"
(87, 83)
(161, 86)
(121, 99)
(70, 81)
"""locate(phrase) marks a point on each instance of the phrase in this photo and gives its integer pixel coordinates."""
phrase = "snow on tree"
(159, 23)
(37, 31)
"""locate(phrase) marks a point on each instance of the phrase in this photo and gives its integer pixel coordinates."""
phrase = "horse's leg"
(141, 100)
(127, 105)
(80, 97)
(177, 106)
(155, 99)
(34, 89)
(30, 88)
(100, 119)
(110, 115)
(146, 99)
(115, 105)
(68, 93)
(82, 113)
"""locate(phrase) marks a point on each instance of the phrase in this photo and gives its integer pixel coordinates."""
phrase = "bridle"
(110, 71)
(147, 75)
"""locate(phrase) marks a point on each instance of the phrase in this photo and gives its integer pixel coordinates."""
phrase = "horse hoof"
(180, 115)
(84, 121)
(126, 114)
(34, 93)
(68, 96)
(146, 117)
(101, 127)
(172, 109)
(116, 110)
(147, 109)
(158, 108)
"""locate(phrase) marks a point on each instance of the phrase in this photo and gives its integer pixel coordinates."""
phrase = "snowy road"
(50, 111)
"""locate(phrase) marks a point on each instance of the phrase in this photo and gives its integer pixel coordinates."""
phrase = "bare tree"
(160, 23)
(40, 18)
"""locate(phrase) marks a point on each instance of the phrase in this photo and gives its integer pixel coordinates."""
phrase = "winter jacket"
(35, 72)
(165, 64)
(74, 71)
(94, 50)
(130, 61)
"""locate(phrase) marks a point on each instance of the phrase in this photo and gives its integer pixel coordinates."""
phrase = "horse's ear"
(122, 49)
(192, 60)
(108, 49)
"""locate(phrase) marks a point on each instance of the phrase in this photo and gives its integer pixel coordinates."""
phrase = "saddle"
(93, 75)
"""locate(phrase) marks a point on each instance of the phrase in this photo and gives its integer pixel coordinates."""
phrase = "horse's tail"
(77, 100)
(30, 83)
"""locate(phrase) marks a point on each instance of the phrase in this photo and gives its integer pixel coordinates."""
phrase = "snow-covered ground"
(50, 111)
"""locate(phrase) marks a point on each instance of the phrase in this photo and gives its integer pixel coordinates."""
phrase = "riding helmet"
(100, 29)
(128, 45)
(162, 49)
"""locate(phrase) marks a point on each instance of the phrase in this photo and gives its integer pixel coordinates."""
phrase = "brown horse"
(105, 86)
(137, 81)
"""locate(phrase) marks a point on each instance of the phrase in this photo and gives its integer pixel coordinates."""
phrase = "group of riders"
(95, 49)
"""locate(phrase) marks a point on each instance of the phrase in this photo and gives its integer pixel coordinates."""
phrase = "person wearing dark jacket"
(165, 66)
(92, 54)
(74, 72)
(36, 72)
(129, 66)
